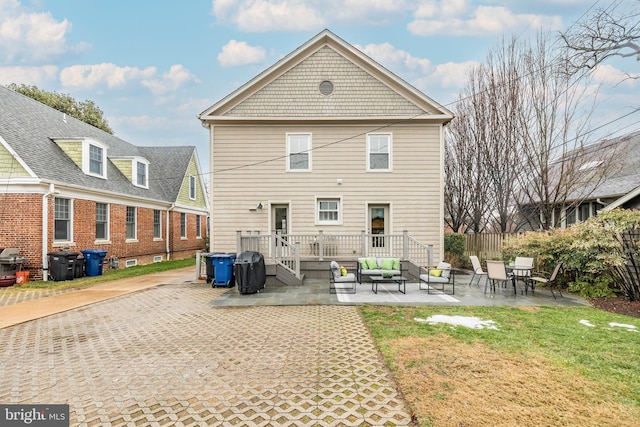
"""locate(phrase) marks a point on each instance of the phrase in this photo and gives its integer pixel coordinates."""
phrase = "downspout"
(168, 250)
(45, 232)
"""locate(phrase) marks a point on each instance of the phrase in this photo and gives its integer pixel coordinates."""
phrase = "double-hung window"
(299, 152)
(329, 211)
(379, 152)
(140, 172)
(102, 221)
(198, 226)
(157, 224)
(131, 223)
(96, 163)
(62, 220)
(183, 225)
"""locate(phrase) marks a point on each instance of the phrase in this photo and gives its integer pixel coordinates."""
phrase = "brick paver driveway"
(164, 356)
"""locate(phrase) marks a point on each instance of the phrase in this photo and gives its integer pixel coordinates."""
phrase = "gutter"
(168, 247)
(45, 231)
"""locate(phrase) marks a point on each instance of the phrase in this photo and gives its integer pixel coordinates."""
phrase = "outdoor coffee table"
(399, 280)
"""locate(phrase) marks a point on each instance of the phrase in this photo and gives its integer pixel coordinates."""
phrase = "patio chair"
(549, 280)
(524, 275)
(341, 281)
(496, 272)
(477, 270)
(436, 278)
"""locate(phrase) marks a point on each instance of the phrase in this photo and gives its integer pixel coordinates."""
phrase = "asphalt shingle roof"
(29, 127)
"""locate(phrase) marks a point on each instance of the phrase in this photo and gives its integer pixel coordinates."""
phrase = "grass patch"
(541, 367)
(109, 275)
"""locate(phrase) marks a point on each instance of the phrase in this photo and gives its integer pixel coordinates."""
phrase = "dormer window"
(94, 156)
(140, 172)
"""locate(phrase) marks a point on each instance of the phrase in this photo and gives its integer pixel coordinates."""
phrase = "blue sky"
(153, 65)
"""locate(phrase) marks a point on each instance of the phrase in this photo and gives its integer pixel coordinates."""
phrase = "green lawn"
(604, 355)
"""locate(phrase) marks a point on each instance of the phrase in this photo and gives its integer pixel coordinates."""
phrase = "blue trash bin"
(223, 269)
(94, 261)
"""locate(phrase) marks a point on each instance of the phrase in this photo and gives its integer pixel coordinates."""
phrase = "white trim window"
(328, 210)
(157, 224)
(183, 225)
(102, 221)
(192, 187)
(131, 222)
(198, 226)
(94, 158)
(299, 152)
(379, 152)
(140, 172)
(63, 220)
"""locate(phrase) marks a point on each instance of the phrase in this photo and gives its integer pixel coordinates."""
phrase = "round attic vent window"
(326, 88)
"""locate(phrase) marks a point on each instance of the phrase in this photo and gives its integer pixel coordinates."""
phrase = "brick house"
(66, 184)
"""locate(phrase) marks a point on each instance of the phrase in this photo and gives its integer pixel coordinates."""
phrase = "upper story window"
(299, 152)
(379, 152)
(192, 187)
(94, 158)
(140, 172)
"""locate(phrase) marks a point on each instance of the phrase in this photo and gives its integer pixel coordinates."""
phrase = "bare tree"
(607, 32)
(554, 133)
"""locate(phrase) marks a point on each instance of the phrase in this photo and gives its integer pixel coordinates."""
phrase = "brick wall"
(21, 227)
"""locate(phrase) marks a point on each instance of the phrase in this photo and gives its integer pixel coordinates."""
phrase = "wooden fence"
(487, 246)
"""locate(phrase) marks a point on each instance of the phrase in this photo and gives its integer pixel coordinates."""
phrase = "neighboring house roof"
(29, 128)
(617, 160)
(326, 79)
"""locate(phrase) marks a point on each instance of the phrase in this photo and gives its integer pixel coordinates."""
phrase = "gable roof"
(362, 89)
(30, 127)
(617, 160)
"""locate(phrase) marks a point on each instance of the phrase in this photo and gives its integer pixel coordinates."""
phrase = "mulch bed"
(618, 305)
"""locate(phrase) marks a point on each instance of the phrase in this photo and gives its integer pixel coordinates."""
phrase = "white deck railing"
(288, 249)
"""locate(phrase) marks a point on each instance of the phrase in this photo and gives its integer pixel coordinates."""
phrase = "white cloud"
(607, 74)
(305, 15)
(32, 37)
(35, 76)
(105, 74)
(396, 59)
(452, 74)
(237, 53)
(177, 77)
(267, 15)
(143, 122)
(457, 19)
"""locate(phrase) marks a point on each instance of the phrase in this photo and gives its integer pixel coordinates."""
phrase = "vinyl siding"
(9, 166)
(413, 189)
(125, 166)
(72, 149)
(296, 93)
(183, 195)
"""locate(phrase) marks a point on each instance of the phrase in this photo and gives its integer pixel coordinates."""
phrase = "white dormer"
(135, 168)
(140, 172)
(94, 158)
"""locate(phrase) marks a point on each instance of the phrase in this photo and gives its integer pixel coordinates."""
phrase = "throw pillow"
(372, 264)
(396, 263)
(343, 271)
(387, 264)
(435, 273)
(335, 269)
(363, 263)
(446, 269)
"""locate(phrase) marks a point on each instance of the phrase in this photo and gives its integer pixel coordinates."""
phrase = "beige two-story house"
(326, 140)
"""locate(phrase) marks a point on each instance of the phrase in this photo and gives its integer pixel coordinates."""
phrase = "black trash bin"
(62, 265)
(78, 270)
(250, 272)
